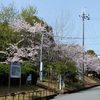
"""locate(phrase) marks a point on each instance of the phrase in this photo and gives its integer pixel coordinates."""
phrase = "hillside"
(89, 82)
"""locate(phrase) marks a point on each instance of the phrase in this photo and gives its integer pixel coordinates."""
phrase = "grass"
(30, 90)
(27, 96)
(28, 87)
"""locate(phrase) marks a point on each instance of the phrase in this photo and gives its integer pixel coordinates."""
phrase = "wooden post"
(9, 80)
(20, 83)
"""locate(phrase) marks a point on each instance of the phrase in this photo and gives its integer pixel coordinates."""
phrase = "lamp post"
(84, 16)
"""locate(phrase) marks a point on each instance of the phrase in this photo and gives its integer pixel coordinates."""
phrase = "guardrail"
(30, 95)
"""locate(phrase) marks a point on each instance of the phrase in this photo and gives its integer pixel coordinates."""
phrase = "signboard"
(15, 70)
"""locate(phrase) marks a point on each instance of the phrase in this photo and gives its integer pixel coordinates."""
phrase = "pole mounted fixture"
(84, 16)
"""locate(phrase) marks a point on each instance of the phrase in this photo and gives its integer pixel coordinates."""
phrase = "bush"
(4, 72)
(3, 57)
(26, 69)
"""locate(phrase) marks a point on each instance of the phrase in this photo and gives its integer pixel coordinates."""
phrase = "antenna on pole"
(84, 16)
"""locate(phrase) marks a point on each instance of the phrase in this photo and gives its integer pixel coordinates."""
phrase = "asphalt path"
(89, 94)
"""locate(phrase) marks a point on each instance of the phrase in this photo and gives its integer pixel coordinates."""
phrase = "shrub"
(26, 69)
(3, 57)
(4, 72)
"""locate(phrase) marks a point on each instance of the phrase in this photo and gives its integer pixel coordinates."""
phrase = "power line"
(94, 37)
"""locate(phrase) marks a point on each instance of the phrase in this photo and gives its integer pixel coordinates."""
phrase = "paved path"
(90, 94)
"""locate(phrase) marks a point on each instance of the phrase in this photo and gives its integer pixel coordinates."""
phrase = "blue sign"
(15, 70)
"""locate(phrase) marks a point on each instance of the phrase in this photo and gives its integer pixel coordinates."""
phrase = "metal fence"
(32, 95)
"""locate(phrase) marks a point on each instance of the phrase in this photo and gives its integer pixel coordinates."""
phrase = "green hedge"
(26, 69)
(3, 57)
(4, 69)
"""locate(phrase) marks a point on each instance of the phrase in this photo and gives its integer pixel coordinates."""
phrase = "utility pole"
(41, 61)
(84, 16)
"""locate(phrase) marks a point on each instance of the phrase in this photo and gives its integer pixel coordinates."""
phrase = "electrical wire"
(95, 40)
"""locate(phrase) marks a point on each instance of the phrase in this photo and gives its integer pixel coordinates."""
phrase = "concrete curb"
(81, 89)
(46, 97)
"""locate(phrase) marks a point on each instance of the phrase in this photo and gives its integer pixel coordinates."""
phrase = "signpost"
(15, 72)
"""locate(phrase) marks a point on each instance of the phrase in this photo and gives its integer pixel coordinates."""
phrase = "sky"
(50, 10)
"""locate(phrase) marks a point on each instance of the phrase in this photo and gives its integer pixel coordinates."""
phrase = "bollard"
(29, 95)
(33, 95)
(5, 96)
(13, 95)
(18, 96)
(40, 93)
(46, 92)
(43, 92)
(36, 94)
(23, 93)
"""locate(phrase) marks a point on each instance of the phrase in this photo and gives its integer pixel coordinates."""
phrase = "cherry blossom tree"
(70, 51)
(21, 24)
(75, 53)
(29, 44)
(92, 63)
